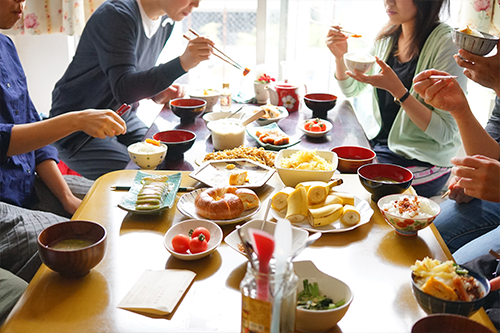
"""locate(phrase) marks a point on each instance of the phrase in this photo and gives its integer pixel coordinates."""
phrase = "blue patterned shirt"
(17, 173)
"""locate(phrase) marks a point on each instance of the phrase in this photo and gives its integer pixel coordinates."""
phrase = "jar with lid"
(225, 97)
(260, 292)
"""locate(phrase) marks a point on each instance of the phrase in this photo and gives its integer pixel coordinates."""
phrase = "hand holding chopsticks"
(222, 55)
(124, 108)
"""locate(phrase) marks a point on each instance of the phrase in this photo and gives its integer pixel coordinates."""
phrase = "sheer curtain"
(55, 16)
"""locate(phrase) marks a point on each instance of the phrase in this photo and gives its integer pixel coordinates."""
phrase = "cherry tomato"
(200, 230)
(198, 244)
(315, 128)
(180, 243)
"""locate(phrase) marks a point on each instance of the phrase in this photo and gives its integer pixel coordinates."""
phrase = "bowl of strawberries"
(315, 127)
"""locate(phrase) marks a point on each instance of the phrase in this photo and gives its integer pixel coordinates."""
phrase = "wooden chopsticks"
(224, 56)
(121, 110)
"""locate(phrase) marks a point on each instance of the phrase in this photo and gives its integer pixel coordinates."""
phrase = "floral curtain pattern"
(55, 16)
(482, 15)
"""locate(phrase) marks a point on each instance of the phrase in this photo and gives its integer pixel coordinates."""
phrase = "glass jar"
(261, 293)
(225, 98)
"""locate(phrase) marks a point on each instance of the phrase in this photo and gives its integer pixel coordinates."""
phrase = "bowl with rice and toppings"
(408, 214)
(147, 154)
(445, 287)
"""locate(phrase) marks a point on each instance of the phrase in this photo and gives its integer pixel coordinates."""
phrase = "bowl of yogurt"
(407, 213)
(227, 133)
(147, 155)
(360, 61)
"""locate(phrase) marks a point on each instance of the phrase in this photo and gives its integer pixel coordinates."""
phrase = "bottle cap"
(225, 85)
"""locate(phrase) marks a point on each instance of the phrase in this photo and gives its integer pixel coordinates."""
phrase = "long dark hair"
(426, 20)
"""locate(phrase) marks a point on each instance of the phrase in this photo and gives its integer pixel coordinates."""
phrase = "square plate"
(265, 121)
(128, 201)
(251, 131)
(299, 236)
(216, 174)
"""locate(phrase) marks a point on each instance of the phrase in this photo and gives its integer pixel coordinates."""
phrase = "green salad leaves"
(311, 299)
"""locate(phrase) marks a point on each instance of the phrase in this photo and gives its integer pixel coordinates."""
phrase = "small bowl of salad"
(316, 127)
(322, 300)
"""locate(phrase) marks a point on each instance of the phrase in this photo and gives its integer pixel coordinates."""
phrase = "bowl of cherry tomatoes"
(316, 127)
(193, 239)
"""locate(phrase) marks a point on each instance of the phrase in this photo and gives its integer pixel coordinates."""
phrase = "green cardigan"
(441, 140)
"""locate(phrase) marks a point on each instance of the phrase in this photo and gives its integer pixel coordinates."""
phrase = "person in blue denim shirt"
(470, 222)
(33, 193)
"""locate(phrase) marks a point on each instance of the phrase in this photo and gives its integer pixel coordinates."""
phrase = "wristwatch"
(399, 101)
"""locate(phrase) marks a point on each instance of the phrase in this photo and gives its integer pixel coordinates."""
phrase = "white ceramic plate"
(361, 205)
(299, 236)
(266, 121)
(128, 201)
(183, 228)
(215, 173)
(316, 134)
(201, 159)
(186, 207)
(252, 130)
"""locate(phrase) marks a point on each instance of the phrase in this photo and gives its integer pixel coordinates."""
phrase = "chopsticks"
(442, 77)
(226, 59)
(445, 194)
(121, 110)
(330, 21)
(127, 188)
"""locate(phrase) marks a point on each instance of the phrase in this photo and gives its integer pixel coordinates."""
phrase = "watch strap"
(398, 101)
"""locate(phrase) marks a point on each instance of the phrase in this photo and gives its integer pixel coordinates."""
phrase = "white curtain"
(55, 16)
(482, 15)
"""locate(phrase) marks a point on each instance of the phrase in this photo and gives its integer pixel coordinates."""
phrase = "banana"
(335, 213)
(324, 211)
(318, 190)
(347, 198)
(330, 199)
(279, 200)
(297, 205)
(350, 216)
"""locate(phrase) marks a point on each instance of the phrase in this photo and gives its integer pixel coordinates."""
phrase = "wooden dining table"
(371, 259)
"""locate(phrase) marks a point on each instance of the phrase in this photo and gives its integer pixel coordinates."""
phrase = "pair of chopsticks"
(331, 23)
(223, 56)
(127, 188)
(442, 77)
(121, 110)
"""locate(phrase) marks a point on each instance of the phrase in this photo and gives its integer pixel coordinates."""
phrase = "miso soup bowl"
(75, 260)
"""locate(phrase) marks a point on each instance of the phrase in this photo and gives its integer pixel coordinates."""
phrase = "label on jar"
(256, 315)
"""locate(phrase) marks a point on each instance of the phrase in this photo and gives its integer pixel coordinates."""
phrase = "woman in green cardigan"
(410, 133)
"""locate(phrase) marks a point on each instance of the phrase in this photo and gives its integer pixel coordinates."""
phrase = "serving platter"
(128, 201)
(361, 205)
(185, 205)
(252, 130)
(217, 173)
(201, 159)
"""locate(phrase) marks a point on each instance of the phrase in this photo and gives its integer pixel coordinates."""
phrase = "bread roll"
(248, 197)
(219, 203)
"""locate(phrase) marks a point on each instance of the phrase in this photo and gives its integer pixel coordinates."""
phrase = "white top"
(150, 26)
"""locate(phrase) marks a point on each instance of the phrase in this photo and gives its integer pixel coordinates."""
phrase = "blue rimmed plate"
(252, 130)
(128, 201)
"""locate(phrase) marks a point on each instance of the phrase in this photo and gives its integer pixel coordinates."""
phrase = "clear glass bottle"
(260, 292)
(225, 98)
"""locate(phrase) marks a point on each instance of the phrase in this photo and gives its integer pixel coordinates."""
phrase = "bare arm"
(52, 177)
(97, 123)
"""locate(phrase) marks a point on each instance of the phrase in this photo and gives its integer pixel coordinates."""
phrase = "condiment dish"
(183, 228)
(312, 134)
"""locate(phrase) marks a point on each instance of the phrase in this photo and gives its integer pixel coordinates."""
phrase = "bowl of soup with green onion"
(72, 248)
(381, 179)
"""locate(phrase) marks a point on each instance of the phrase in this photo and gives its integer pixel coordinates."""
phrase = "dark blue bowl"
(431, 304)
(382, 179)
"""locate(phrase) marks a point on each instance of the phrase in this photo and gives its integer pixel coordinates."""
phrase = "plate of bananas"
(317, 206)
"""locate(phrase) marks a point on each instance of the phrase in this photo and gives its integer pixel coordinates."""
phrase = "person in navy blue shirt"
(33, 193)
(115, 63)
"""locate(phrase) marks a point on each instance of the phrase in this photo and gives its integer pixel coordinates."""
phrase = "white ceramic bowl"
(316, 134)
(212, 98)
(212, 116)
(474, 44)
(148, 161)
(291, 177)
(183, 228)
(299, 236)
(321, 320)
(360, 61)
(407, 226)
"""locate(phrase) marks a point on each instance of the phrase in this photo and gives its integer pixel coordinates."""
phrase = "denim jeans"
(476, 220)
